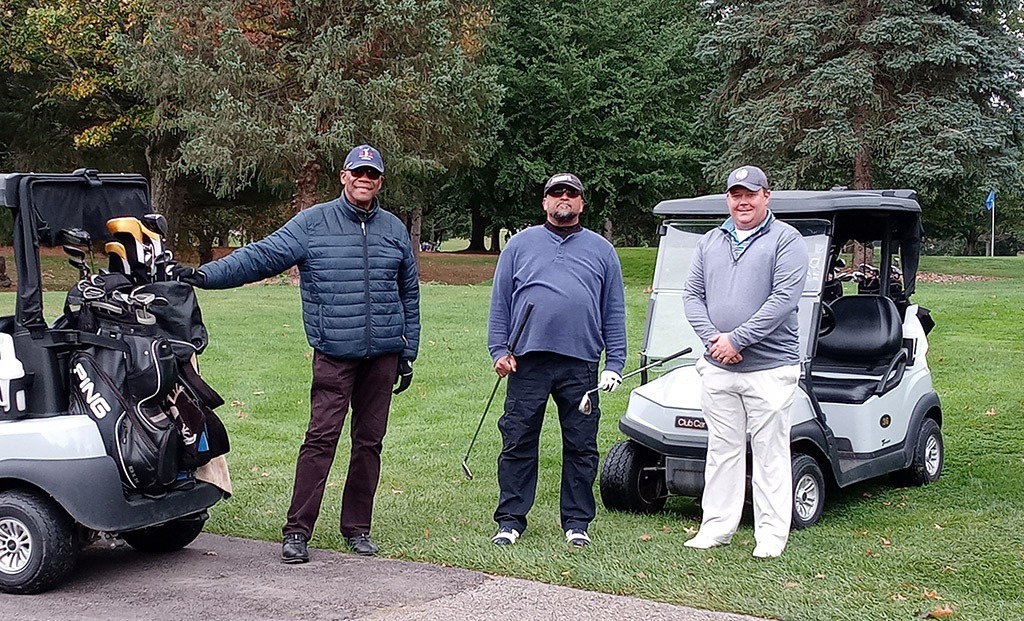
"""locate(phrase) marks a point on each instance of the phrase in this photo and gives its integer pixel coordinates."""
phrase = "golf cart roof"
(807, 203)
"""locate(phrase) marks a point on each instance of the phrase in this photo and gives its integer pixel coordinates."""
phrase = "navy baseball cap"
(750, 177)
(364, 155)
(569, 180)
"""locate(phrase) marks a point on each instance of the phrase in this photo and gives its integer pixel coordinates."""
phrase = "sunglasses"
(370, 173)
(560, 192)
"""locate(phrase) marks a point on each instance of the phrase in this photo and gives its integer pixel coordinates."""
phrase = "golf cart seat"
(864, 354)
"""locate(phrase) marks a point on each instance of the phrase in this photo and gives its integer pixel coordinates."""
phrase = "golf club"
(585, 405)
(509, 351)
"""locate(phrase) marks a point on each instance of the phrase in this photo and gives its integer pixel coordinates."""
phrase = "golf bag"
(121, 386)
(136, 378)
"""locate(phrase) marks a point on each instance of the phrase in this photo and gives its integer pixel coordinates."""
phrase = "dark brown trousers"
(366, 384)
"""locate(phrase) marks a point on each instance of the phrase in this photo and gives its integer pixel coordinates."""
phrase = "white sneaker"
(506, 536)
(764, 551)
(703, 543)
(577, 537)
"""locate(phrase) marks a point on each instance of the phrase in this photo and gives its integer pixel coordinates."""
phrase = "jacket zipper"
(366, 284)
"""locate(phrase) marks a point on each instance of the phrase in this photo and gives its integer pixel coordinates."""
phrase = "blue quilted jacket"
(360, 287)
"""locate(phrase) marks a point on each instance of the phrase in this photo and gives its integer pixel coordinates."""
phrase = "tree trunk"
(607, 230)
(496, 239)
(862, 181)
(167, 196)
(306, 184)
(477, 231)
(416, 231)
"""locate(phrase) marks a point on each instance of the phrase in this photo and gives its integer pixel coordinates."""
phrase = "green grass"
(878, 553)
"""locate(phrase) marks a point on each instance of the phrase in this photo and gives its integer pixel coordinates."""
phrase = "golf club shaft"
(509, 352)
(647, 367)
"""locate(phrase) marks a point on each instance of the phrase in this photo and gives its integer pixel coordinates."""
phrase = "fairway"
(878, 553)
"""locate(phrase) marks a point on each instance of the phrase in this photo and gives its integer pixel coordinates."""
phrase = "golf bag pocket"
(142, 441)
(203, 435)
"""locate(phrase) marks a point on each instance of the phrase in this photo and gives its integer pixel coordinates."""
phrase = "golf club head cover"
(404, 376)
(610, 380)
(188, 275)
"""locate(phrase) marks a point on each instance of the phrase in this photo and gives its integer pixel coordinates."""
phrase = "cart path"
(230, 579)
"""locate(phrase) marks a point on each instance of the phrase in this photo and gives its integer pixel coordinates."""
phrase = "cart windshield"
(667, 329)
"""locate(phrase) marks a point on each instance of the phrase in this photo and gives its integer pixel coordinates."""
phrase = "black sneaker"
(577, 537)
(363, 545)
(293, 549)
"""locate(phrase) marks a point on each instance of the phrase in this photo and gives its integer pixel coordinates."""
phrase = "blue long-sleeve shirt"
(576, 287)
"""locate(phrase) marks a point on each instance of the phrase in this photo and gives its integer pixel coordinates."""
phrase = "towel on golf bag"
(123, 391)
(190, 404)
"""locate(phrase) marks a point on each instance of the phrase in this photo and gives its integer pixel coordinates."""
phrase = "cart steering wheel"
(827, 323)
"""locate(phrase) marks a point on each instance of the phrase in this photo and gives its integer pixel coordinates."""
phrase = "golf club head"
(78, 237)
(156, 223)
(466, 471)
(586, 407)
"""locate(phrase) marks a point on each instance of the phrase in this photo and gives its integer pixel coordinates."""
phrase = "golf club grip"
(519, 329)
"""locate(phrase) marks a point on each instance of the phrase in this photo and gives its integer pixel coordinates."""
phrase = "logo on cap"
(366, 154)
(741, 174)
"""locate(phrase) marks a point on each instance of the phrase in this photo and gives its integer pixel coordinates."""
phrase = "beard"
(563, 216)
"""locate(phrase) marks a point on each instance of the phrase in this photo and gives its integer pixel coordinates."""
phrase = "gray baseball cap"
(750, 177)
(569, 180)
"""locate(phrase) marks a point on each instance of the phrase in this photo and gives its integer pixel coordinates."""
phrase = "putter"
(511, 347)
(585, 405)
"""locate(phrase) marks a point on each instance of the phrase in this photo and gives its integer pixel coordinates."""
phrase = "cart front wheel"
(633, 479)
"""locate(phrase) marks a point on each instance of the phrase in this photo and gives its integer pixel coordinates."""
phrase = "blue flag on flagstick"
(990, 202)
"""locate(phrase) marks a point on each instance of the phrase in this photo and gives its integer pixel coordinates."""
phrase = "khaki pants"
(734, 405)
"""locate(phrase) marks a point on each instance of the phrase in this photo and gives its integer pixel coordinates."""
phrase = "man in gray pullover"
(741, 298)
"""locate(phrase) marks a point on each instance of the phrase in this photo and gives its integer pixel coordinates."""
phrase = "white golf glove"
(610, 380)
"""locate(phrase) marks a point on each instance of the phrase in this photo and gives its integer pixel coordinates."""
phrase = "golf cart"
(865, 406)
(103, 417)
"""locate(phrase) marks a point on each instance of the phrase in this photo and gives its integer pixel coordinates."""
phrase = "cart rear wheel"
(808, 491)
(38, 542)
(169, 537)
(633, 479)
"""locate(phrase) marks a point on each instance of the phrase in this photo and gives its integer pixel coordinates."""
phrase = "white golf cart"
(866, 406)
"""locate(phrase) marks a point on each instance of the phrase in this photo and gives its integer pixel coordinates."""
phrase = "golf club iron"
(509, 351)
(586, 406)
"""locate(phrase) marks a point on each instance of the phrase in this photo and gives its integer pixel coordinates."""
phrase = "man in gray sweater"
(741, 298)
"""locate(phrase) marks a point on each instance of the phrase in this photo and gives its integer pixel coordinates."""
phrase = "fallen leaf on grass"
(242, 415)
(235, 403)
(257, 392)
(870, 553)
(645, 537)
(990, 412)
(640, 575)
(819, 576)
(897, 597)
(931, 594)
(689, 530)
(949, 569)
(863, 533)
(942, 612)
(396, 491)
(867, 495)
(666, 529)
(886, 543)
(264, 474)
(209, 553)
(791, 585)
(567, 573)
(937, 526)
(254, 469)
(426, 533)
(709, 560)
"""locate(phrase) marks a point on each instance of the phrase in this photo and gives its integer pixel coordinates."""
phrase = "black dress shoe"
(293, 550)
(363, 545)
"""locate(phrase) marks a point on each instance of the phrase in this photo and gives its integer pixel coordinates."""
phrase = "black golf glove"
(404, 376)
(188, 275)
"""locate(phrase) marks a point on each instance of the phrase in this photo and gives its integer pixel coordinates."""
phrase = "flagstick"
(993, 229)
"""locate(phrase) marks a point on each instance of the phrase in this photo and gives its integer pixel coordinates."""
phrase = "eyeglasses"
(370, 173)
(560, 192)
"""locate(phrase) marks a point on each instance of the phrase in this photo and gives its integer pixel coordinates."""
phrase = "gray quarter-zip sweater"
(753, 298)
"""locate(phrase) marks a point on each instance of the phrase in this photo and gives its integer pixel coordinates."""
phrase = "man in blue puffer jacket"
(360, 307)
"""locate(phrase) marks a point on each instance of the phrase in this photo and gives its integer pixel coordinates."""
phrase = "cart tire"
(808, 491)
(38, 542)
(169, 537)
(633, 479)
(929, 454)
